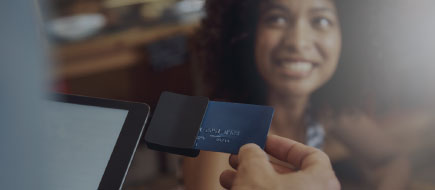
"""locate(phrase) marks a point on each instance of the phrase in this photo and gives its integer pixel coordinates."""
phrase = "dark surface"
(175, 123)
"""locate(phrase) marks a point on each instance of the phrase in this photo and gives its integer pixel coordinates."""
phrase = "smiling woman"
(273, 52)
(277, 53)
(297, 45)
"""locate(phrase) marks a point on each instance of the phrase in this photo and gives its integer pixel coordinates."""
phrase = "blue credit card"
(228, 126)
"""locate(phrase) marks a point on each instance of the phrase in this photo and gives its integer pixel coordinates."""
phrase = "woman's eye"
(322, 22)
(276, 20)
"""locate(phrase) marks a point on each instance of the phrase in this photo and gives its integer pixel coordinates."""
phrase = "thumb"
(253, 160)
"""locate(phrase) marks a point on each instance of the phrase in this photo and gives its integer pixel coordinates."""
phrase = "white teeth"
(298, 66)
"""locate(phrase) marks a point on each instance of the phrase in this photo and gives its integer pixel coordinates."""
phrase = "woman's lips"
(296, 69)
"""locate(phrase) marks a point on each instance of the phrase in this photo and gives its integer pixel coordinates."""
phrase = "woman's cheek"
(267, 41)
(331, 47)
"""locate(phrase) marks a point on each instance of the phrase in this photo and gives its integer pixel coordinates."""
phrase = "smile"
(296, 69)
(297, 66)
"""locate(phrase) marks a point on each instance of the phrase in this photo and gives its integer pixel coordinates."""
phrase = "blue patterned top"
(315, 135)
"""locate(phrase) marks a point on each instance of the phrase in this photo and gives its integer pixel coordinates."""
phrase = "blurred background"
(127, 50)
(135, 49)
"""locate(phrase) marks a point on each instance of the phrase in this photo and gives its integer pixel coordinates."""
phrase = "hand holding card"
(187, 124)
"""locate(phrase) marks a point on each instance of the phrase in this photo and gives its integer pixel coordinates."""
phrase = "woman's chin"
(295, 90)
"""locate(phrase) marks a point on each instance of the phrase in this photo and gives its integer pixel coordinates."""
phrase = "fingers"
(282, 169)
(255, 170)
(252, 158)
(234, 162)
(227, 178)
(249, 150)
(251, 163)
(297, 154)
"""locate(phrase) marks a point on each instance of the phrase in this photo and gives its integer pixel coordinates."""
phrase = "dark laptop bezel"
(128, 139)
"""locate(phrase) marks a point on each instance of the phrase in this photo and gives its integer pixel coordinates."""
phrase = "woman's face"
(298, 44)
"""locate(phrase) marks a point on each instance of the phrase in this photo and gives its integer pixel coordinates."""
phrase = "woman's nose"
(297, 37)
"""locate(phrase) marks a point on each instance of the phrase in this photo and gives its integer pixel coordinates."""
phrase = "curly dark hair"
(225, 45)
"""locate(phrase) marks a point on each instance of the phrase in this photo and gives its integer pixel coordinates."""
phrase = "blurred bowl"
(76, 27)
(188, 10)
(188, 6)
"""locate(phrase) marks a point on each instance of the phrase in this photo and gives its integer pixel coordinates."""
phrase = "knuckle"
(333, 184)
(251, 150)
(321, 156)
(248, 147)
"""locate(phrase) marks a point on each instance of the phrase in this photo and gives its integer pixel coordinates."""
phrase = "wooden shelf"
(112, 51)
